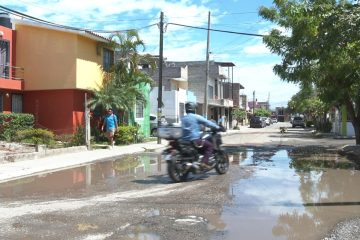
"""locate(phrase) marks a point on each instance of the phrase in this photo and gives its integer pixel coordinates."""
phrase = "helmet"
(190, 107)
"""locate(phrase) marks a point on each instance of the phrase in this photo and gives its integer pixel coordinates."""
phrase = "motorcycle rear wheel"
(176, 172)
(222, 164)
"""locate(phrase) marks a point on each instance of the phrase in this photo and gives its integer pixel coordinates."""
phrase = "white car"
(154, 124)
(266, 120)
(274, 119)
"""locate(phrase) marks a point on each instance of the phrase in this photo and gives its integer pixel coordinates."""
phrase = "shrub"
(78, 138)
(13, 122)
(324, 127)
(309, 123)
(64, 140)
(126, 134)
(35, 136)
(99, 136)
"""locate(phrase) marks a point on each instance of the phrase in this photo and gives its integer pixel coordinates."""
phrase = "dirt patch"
(307, 157)
(14, 148)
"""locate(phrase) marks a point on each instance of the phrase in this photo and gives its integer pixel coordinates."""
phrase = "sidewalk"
(30, 164)
(27, 168)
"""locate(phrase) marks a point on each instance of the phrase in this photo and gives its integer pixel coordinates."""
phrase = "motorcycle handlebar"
(220, 129)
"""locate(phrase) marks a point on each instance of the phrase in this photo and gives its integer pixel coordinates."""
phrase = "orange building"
(11, 81)
(60, 67)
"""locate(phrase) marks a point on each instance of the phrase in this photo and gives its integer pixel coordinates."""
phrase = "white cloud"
(261, 79)
(256, 49)
(250, 55)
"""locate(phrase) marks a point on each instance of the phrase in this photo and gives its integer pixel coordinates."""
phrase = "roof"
(85, 33)
(226, 64)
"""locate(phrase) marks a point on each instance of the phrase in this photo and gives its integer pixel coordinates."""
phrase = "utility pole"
(253, 102)
(87, 123)
(205, 110)
(159, 112)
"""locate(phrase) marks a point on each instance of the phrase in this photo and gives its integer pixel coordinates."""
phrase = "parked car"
(154, 124)
(257, 122)
(298, 121)
(266, 120)
(274, 120)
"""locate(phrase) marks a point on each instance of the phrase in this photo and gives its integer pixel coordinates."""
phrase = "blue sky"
(253, 60)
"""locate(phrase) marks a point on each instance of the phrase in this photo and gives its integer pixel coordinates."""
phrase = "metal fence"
(11, 72)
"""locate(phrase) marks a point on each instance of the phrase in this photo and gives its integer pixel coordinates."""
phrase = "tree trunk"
(356, 125)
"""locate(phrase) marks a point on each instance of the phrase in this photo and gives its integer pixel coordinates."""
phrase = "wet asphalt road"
(139, 205)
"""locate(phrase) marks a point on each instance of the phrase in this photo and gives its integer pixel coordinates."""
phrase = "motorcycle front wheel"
(222, 162)
(176, 171)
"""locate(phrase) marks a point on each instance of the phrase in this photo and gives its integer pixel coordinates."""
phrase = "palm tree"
(120, 89)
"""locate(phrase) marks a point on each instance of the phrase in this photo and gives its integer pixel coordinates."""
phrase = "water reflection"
(106, 174)
(291, 197)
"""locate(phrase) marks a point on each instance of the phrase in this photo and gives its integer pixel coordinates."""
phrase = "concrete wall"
(171, 100)
(346, 129)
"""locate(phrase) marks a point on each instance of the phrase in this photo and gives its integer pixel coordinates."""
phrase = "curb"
(20, 169)
(36, 155)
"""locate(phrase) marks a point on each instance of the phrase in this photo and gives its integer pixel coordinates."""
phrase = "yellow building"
(61, 67)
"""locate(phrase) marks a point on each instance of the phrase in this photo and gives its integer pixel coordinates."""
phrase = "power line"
(85, 20)
(8, 10)
(38, 20)
(218, 30)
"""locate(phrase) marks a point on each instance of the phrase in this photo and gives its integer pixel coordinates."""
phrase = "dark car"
(257, 122)
(298, 121)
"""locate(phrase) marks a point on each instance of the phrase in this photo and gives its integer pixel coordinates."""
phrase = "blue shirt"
(110, 122)
(191, 125)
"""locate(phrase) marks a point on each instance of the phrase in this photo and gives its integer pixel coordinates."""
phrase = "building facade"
(11, 75)
(175, 92)
(63, 65)
(218, 105)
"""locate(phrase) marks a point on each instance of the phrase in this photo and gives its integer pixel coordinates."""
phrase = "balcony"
(11, 77)
(220, 102)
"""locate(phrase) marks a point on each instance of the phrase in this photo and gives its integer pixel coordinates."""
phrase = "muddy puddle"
(287, 194)
(291, 195)
(101, 176)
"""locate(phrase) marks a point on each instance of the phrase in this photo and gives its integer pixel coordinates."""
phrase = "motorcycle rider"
(191, 124)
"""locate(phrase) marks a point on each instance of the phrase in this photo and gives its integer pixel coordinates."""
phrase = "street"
(133, 198)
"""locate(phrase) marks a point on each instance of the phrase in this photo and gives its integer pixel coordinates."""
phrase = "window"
(4, 59)
(108, 59)
(139, 110)
(16, 103)
(182, 109)
(210, 92)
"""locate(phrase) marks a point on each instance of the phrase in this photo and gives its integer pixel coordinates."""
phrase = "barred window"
(16, 103)
(108, 59)
(139, 110)
(4, 59)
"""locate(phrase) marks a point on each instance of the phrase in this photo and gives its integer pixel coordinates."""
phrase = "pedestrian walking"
(110, 125)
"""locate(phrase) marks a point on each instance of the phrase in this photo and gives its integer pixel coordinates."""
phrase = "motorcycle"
(184, 157)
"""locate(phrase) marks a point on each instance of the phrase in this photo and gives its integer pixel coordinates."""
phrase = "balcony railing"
(221, 102)
(11, 72)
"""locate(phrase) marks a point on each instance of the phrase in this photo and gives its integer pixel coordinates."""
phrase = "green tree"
(320, 46)
(120, 88)
(261, 112)
(306, 101)
(239, 115)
